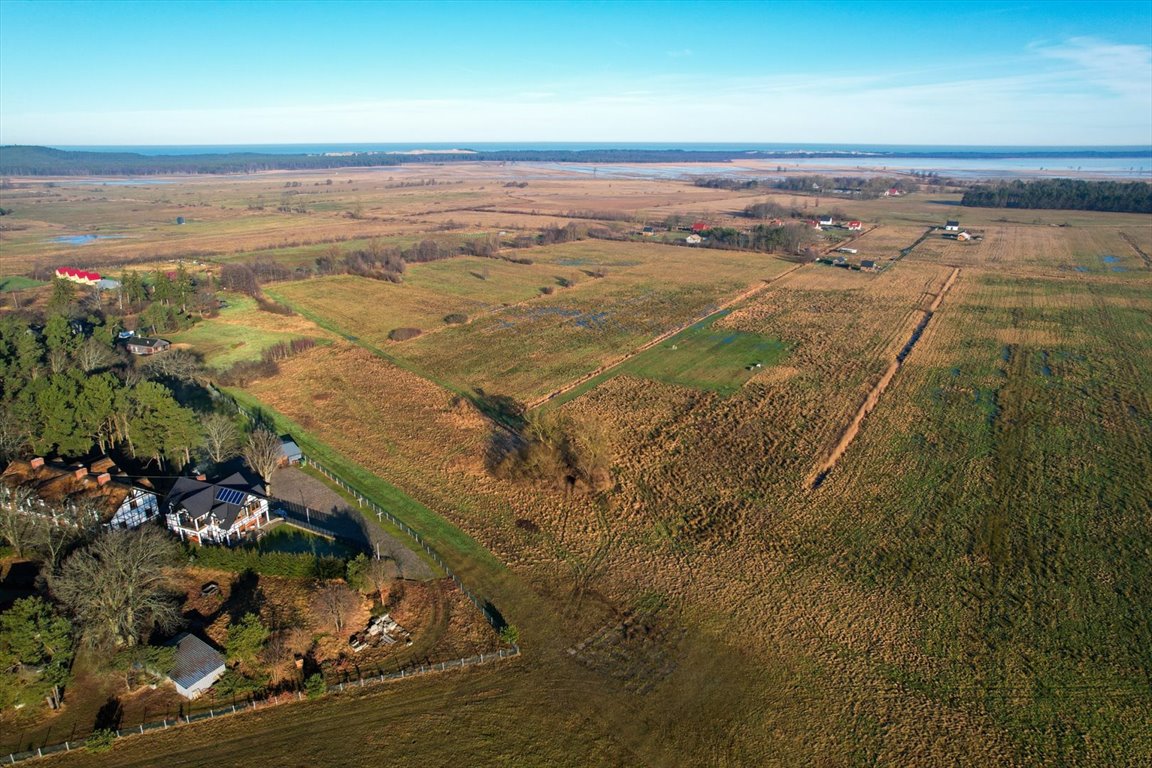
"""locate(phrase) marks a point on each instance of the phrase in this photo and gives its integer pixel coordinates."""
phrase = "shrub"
(403, 334)
(100, 740)
(455, 318)
(315, 686)
(509, 634)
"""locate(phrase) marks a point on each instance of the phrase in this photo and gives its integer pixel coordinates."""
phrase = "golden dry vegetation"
(968, 586)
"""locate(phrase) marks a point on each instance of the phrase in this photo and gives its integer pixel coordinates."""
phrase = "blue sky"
(1033, 72)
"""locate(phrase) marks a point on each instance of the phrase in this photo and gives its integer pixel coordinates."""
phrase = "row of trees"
(1064, 194)
(783, 238)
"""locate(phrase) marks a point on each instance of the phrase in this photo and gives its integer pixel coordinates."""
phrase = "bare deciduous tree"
(179, 364)
(221, 437)
(17, 523)
(263, 453)
(95, 356)
(116, 586)
(334, 604)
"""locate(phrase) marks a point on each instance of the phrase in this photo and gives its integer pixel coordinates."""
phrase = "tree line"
(1063, 194)
(17, 160)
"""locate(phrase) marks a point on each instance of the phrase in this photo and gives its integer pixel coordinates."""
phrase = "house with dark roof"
(143, 346)
(951, 225)
(224, 512)
(196, 665)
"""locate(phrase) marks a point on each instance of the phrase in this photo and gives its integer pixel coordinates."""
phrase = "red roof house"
(855, 226)
(701, 226)
(77, 275)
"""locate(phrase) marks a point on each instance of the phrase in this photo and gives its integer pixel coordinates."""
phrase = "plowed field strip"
(817, 477)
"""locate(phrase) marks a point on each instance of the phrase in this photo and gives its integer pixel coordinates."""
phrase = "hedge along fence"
(231, 709)
(301, 565)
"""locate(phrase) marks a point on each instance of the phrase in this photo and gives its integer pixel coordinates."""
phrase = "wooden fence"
(232, 709)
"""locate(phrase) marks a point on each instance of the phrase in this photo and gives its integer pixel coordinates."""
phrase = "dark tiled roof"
(194, 661)
(145, 342)
(199, 498)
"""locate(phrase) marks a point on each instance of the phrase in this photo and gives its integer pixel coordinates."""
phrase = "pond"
(285, 538)
(83, 239)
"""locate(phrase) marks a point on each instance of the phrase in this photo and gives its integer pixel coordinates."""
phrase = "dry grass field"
(969, 586)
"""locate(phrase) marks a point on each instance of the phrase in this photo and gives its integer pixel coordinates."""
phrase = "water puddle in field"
(83, 239)
(1078, 268)
(1109, 259)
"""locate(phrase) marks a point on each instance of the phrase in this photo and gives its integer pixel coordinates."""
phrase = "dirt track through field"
(1139, 251)
(817, 477)
(662, 338)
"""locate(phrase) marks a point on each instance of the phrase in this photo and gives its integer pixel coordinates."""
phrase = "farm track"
(1139, 251)
(817, 476)
(663, 337)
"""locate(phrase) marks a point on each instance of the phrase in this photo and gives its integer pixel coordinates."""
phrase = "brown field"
(968, 586)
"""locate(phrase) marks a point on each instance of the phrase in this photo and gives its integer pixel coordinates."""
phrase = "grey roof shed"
(196, 667)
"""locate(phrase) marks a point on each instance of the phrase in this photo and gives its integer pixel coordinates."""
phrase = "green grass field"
(240, 332)
(706, 358)
(18, 283)
(699, 357)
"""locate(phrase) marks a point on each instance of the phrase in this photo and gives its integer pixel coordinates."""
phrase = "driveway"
(330, 511)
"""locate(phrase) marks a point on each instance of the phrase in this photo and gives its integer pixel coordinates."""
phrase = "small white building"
(693, 239)
(196, 666)
(951, 226)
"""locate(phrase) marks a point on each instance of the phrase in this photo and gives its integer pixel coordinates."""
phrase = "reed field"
(969, 584)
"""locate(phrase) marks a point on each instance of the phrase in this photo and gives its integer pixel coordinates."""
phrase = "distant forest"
(1064, 194)
(45, 161)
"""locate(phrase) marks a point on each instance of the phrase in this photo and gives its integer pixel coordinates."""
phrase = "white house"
(951, 226)
(216, 513)
(693, 239)
(196, 665)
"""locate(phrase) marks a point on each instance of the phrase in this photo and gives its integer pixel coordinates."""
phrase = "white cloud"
(1122, 69)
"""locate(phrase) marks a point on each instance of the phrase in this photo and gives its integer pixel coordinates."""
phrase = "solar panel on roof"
(230, 496)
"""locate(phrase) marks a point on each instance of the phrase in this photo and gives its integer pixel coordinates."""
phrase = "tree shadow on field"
(501, 445)
(504, 409)
(109, 716)
(244, 596)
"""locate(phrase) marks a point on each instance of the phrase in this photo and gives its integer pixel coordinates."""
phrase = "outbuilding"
(196, 665)
(144, 346)
(290, 452)
(951, 226)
